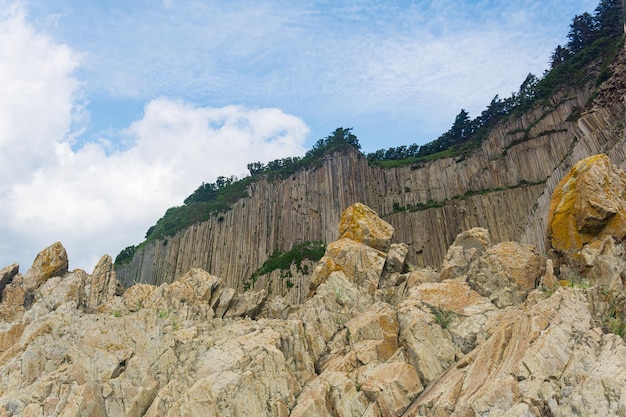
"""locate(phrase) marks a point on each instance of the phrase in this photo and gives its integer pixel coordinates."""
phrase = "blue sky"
(115, 110)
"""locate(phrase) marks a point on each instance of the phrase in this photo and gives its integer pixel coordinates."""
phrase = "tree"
(256, 168)
(205, 192)
(125, 255)
(461, 128)
(559, 56)
(583, 31)
(609, 18)
(341, 135)
(528, 89)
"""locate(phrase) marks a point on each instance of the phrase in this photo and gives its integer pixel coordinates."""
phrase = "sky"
(113, 111)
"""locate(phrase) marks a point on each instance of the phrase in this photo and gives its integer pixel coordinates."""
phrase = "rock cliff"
(504, 186)
(501, 331)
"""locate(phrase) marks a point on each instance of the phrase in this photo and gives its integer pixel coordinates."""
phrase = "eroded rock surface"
(374, 338)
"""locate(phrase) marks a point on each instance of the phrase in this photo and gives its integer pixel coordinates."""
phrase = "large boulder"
(467, 247)
(588, 203)
(360, 263)
(360, 252)
(50, 262)
(506, 273)
(361, 224)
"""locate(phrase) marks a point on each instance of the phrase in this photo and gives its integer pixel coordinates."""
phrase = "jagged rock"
(361, 224)
(396, 257)
(589, 203)
(247, 304)
(197, 294)
(392, 386)
(379, 324)
(358, 262)
(604, 263)
(506, 273)
(103, 285)
(439, 323)
(6, 275)
(50, 262)
(468, 246)
(413, 344)
(531, 363)
(331, 391)
(548, 280)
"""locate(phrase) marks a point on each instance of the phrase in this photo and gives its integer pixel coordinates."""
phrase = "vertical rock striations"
(504, 186)
(371, 339)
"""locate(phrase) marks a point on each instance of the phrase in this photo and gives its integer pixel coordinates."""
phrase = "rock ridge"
(501, 331)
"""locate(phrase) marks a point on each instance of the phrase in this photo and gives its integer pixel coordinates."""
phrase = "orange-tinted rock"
(361, 224)
(360, 263)
(587, 204)
(50, 262)
(506, 272)
(379, 322)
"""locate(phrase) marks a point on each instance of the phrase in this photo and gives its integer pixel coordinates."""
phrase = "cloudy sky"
(112, 111)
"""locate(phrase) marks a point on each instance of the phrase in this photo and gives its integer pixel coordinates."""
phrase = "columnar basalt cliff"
(504, 185)
(501, 331)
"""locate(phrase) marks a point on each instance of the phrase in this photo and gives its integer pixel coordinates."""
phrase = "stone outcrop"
(589, 203)
(49, 263)
(373, 337)
(587, 223)
(504, 186)
(7, 274)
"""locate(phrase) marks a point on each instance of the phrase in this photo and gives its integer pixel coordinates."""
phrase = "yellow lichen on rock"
(50, 262)
(587, 204)
(361, 224)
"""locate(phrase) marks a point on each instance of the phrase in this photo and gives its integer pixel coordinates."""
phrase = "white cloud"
(95, 200)
(37, 94)
(334, 63)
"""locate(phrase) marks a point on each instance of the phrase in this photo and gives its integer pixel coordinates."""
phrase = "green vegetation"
(442, 316)
(341, 140)
(576, 280)
(283, 260)
(125, 255)
(594, 41)
(613, 322)
(614, 318)
(207, 201)
(397, 208)
(213, 199)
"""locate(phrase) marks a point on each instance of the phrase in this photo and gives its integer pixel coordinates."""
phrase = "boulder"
(588, 203)
(506, 273)
(50, 262)
(603, 263)
(361, 224)
(359, 263)
(396, 258)
(467, 247)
